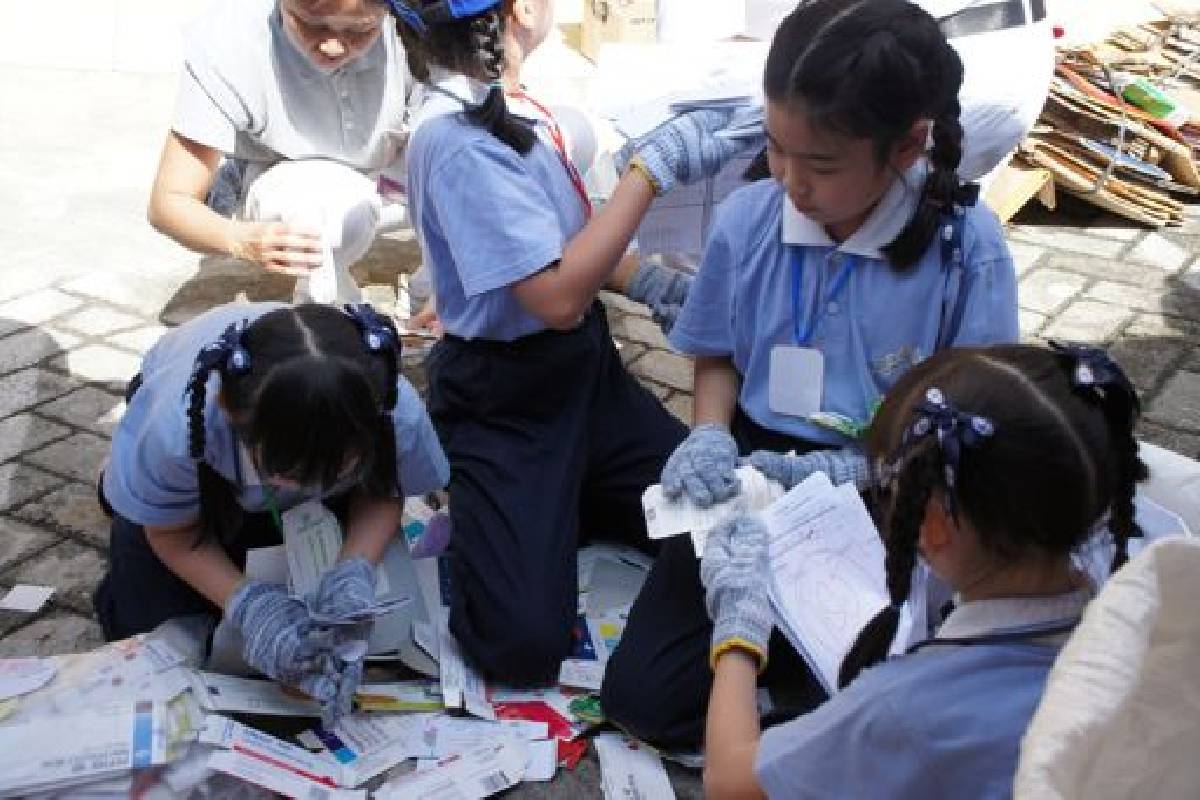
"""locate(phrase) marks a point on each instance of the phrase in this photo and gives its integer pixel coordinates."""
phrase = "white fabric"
(1120, 717)
(340, 202)
(1174, 483)
(1003, 614)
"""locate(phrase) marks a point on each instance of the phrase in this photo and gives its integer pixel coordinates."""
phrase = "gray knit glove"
(703, 467)
(848, 465)
(661, 288)
(276, 639)
(683, 149)
(734, 572)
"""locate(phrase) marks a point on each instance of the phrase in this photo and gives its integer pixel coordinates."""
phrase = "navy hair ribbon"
(378, 332)
(953, 429)
(1096, 374)
(228, 353)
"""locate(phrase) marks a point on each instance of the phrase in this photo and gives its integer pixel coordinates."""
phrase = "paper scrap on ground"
(232, 735)
(368, 745)
(102, 741)
(543, 761)
(462, 687)
(827, 571)
(23, 597)
(631, 770)
(226, 693)
(402, 696)
(276, 778)
(585, 668)
(20, 676)
(665, 518)
(478, 773)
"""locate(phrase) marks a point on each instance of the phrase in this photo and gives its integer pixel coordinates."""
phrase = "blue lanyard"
(804, 337)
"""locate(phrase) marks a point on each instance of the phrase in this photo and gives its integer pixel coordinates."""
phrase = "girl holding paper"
(998, 464)
(818, 290)
(235, 416)
(550, 439)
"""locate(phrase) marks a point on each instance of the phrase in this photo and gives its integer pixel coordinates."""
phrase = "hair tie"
(1095, 374)
(227, 354)
(953, 430)
(378, 333)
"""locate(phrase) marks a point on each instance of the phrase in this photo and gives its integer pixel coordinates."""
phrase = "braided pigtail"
(220, 513)
(493, 114)
(941, 191)
(914, 488)
(1101, 381)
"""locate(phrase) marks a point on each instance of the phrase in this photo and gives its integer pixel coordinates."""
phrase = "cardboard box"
(607, 21)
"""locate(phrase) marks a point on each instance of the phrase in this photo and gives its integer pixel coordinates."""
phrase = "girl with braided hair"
(997, 465)
(551, 441)
(235, 417)
(819, 289)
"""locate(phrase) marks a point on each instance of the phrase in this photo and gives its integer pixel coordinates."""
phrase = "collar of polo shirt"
(884, 224)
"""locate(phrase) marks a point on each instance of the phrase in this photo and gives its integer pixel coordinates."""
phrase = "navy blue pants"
(551, 443)
(658, 679)
(139, 592)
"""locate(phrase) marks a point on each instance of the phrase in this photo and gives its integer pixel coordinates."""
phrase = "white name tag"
(797, 380)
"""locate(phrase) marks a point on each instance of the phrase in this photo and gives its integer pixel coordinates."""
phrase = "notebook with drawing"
(827, 572)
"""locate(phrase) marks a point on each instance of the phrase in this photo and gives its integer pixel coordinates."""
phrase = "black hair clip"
(954, 430)
(1095, 373)
(227, 354)
(377, 331)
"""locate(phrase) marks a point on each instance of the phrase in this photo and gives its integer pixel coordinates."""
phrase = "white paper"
(665, 518)
(268, 564)
(369, 745)
(94, 743)
(543, 761)
(232, 735)
(586, 673)
(631, 770)
(479, 773)
(443, 735)
(20, 676)
(227, 693)
(312, 538)
(276, 778)
(827, 570)
(462, 686)
(399, 696)
(23, 597)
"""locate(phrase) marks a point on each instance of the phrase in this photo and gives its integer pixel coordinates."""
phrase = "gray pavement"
(86, 286)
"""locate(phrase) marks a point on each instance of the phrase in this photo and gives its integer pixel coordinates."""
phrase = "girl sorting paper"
(997, 464)
(236, 416)
(818, 290)
(550, 439)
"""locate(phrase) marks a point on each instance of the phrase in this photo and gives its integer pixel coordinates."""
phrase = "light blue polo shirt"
(872, 331)
(150, 477)
(486, 216)
(945, 721)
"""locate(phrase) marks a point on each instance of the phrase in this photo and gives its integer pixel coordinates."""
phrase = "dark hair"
(1059, 460)
(473, 46)
(871, 69)
(315, 397)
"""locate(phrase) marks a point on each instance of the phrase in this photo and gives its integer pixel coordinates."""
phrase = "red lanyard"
(560, 145)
